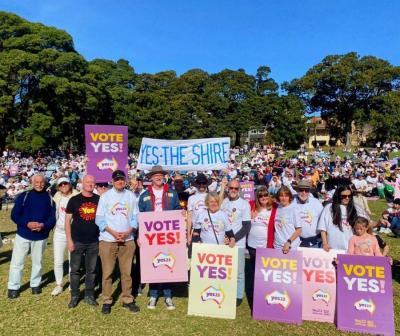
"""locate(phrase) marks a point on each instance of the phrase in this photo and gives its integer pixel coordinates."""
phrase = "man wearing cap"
(159, 197)
(239, 213)
(82, 240)
(34, 213)
(310, 211)
(116, 218)
(196, 202)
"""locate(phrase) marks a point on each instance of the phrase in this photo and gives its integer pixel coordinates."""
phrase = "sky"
(288, 36)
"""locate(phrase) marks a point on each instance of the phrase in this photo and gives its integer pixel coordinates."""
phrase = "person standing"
(159, 197)
(310, 211)
(239, 213)
(61, 198)
(82, 240)
(34, 212)
(116, 219)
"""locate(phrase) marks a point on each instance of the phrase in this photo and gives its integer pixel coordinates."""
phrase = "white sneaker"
(152, 303)
(387, 231)
(57, 290)
(169, 304)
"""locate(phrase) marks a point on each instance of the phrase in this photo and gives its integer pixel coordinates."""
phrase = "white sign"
(195, 154)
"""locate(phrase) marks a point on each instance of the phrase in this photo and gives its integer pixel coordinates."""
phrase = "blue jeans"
(155, 287)
(240, 278)
(20, 251)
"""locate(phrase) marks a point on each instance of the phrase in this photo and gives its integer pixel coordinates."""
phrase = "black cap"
(118, 174)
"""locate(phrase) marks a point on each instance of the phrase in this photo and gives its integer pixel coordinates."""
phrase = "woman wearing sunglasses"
(337, 219)
(61, 198)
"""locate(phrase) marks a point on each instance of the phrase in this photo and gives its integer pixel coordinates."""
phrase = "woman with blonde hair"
(211, 225)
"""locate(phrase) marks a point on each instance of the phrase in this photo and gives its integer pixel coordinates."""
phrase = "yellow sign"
(213, 281)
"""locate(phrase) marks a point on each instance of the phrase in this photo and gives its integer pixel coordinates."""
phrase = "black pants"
(90, 252)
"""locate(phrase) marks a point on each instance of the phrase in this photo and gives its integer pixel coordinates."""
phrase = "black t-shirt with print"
(83, 210)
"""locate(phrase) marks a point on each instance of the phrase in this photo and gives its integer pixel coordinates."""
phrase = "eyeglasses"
(233, 188)
(344, 196)
(304, 190)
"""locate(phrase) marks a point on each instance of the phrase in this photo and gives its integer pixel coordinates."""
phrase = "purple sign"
(247, 190)
(365, 295)
(278, 286)
(107, 150)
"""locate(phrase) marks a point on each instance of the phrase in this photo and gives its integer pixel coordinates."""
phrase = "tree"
(342, 88)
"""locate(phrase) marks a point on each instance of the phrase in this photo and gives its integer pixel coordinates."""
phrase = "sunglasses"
(102, 186)
(263, 195)
(345, 196)
(63, 184)
(304, 190)
(233, 188)
(119, 179)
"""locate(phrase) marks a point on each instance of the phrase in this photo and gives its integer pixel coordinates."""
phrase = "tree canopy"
(48, 91)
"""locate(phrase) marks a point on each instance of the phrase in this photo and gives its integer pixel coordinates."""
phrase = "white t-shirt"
(337, 239)
(60, 224)
(237, 211)
(287, 219)
(158, 199)
(309, 216)
(118, 208)
(196, 203)
(221, 225)
(258, 234)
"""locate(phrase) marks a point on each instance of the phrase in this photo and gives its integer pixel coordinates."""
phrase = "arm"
(351, 249)
(50, 222)
(231, 237)
(244, 231)
(70, 243)
(224, 183)
(295, 235)
(325, 244)
(17, 213)
(189, 227)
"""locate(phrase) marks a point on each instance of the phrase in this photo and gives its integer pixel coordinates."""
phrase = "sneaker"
(132, 307)
(152, 303)
(90, 300)
(13, 293)
(106, 309)
(169, 304)
(140, 291)
(57, 290)
(36, 290)
(74, 302)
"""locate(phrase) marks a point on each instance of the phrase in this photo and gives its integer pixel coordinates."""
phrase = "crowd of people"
(317, 201)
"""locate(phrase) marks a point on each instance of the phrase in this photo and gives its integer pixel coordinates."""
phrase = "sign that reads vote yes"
(163, 246)
(107, 150)
(278, 286)
(319, 284)
(196, 154)
(213, 281)
(365, 294)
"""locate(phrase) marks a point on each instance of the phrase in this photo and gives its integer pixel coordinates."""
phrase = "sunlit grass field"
(47, 315)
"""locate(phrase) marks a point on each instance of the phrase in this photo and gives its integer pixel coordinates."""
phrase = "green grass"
(45, 315)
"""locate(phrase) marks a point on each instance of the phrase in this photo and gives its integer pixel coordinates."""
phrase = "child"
(363, 243)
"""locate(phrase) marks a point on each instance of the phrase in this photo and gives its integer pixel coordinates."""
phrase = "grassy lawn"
(45, 315)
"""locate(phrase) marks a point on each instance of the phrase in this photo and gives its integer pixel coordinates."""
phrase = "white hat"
(62, 179)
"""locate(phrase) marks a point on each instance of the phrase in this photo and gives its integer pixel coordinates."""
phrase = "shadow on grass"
(5, 257)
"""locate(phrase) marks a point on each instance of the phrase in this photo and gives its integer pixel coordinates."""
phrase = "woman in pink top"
(363, 243)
